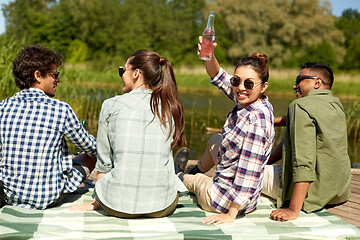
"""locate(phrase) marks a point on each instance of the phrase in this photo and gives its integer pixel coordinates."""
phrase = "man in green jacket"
(316, 165)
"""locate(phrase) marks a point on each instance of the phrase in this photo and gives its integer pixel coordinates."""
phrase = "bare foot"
(86, 206)
(283, 215)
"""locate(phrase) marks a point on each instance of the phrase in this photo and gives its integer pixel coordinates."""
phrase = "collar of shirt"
(32, 92)
(319, 92)
(141, 91)
(253, 106)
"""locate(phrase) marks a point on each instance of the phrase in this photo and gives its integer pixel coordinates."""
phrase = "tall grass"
(85, 90)
(8, 52)
(346, 85)
(353, 130)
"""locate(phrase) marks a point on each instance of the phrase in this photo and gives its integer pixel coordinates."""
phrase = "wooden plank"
(350, 211)
(346, 216)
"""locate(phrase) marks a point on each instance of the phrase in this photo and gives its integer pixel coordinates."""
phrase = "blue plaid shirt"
(35, 162)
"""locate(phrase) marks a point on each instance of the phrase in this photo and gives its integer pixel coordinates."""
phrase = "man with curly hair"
(36, 166)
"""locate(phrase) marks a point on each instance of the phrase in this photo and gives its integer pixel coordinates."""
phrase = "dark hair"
(322, 69)
(258, 62)
(159, 75)
(31, 58)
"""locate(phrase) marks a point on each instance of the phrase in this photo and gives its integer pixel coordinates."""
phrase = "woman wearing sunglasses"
(137, 131)
(241, 152)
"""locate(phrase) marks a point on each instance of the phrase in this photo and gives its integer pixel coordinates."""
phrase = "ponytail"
(159, 75)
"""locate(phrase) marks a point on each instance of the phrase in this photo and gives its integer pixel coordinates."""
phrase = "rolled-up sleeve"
(222, 82)
(304, 154)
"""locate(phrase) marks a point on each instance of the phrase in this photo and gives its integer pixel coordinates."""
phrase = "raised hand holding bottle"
(208, 38)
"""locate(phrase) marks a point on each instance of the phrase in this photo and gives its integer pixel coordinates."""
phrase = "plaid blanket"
(185, 223)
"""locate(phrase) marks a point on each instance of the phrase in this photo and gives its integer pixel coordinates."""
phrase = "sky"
(337, 5)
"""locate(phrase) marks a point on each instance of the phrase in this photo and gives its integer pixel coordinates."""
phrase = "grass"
(346, 85)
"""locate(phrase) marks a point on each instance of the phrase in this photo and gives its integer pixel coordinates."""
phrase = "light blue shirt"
(135, 152)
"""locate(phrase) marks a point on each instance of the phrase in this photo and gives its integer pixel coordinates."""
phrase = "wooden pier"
(350, 211)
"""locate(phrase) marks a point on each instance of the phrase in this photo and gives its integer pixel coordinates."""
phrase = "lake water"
(204, 110)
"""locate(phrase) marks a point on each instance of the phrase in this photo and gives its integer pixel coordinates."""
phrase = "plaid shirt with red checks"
(247, 140)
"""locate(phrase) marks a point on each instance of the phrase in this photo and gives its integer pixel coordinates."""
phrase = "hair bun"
(161, 61)
(261, 56)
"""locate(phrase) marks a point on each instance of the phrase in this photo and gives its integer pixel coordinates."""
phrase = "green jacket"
(315, 149)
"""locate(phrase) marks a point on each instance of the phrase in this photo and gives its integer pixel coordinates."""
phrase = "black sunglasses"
(122, 70)
(248, 84)
(55, 75)
(299, 78)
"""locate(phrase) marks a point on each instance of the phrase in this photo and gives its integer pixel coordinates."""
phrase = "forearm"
(233, 209)
(298, 196)
(99, 175)
(276, 154)
(212, 67)
(280, 121)
(224, 218)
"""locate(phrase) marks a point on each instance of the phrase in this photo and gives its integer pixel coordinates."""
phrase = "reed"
(346, 84)
(353, 130)
(85, 90)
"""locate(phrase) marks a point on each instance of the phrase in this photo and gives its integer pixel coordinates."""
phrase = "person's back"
(142, 177)
(323, 114)
(315, 162)
(36, 165)
(32, 127)
(136, 134)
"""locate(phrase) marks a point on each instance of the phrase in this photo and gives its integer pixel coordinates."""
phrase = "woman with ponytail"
(136, 134)
(240, 153)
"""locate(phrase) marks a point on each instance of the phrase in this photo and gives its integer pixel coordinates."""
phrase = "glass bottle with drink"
(208, 38)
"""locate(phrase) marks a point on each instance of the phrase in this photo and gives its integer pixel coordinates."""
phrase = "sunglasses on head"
(248, 84)
(299, 78)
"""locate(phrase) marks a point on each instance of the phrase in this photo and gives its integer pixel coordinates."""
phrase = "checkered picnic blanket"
(185, 223)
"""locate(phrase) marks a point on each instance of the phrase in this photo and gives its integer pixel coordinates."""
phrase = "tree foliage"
(349, 24)
(282, 29)
(106, 32)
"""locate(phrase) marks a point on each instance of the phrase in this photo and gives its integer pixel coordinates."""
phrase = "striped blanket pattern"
(185, 223)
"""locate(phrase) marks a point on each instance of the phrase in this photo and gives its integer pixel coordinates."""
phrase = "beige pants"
(271, 181)
(272, 173)
(200, 184)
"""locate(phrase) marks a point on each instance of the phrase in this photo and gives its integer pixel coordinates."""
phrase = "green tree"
(27, 17)
(349, 24)
(77, 52)
(282, 29)
(320, 52)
